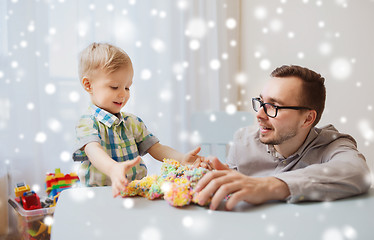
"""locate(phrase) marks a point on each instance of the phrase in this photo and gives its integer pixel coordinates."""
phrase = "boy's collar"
(105, 117)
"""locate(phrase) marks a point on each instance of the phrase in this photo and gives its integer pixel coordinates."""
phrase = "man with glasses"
(286, 157)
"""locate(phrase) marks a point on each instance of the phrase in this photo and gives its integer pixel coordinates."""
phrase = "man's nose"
(261, 113)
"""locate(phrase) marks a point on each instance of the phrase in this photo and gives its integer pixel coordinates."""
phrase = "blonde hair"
(101, 56)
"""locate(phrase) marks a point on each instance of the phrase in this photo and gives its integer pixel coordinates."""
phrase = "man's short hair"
(313, 89)
(101, 56)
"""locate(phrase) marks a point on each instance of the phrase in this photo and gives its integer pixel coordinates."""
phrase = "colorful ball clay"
(178, 195)
(175, 184)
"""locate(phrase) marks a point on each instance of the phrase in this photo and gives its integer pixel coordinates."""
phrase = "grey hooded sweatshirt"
(326, 167)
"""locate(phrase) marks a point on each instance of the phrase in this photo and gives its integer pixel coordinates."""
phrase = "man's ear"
(86, 83)
(310, 118)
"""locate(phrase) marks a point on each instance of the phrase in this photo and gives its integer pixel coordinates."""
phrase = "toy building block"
(39, 229)
(30, 201)
(55, 200)
(20, 189)
(57, 182)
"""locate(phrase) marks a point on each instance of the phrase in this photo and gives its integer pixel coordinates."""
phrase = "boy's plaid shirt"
(123, 136)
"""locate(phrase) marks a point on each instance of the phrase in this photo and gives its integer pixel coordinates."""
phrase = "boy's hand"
(118, 175)
(210, 163)
(191, 157)
(203, 162)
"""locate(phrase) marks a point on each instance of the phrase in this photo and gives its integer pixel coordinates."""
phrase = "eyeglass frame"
(262, 104)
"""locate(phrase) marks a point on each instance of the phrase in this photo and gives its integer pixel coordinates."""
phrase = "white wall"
(334, 38)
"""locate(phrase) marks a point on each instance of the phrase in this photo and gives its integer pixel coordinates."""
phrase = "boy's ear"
(86, 83)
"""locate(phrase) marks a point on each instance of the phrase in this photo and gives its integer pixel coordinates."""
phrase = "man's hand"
(204, 163)
(210, 163)
(254, 190)
(118, 175)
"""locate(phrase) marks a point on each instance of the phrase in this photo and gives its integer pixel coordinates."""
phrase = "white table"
(92, 213)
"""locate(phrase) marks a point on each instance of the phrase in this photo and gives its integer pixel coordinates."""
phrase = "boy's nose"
(122, 93)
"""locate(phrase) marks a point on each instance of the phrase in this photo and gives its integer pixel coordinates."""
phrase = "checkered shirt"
(123, 136)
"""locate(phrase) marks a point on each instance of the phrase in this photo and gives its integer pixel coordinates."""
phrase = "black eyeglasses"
(270, 109)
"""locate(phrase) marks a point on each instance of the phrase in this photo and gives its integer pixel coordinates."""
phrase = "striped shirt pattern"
(123, 136)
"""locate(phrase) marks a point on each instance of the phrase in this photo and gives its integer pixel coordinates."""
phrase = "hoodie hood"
(323, 136)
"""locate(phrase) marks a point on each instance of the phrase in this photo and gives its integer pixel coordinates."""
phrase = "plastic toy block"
(56, 182)
(42, 228)
(30, 201)
(58, 173)
(55, 199)
(20, 189)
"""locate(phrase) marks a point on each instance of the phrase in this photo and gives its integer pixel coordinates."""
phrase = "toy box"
(35, 217)
(33, 224)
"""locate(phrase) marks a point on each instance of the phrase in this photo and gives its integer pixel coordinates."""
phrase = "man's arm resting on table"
(254, 190)
(328, 181)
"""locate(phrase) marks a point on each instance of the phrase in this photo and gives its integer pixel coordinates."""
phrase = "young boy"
(110, 142)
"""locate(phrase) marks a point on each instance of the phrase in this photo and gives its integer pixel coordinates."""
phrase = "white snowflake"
(365, 129)
(54, 125)
(332, 233)
(260, 13)
(50, 88)
(166, 95)
(145, 74)
(74, 96)
(194, 44)
(231, 23)
(151, 233)
(231, 109)
(276, 25)
(187, 221)
(341, 69)
(65, 156)
(48, 220)
(215, 64)
(212, 117)
(182, 4)
(325, 48)
(128, 203)
(265, 64)
(14, 64)
(30, 106)
(196, 28)
(158, 45)
(241, 78)
(40, 137)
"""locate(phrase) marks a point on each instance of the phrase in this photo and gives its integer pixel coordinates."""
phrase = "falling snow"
(40, 137)
(65, 156)
(341, 69)
(194, 44)
(128, 203)
(145, 74)
(231, 23)
(150, 233)
(179, 67)
(196, 28)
